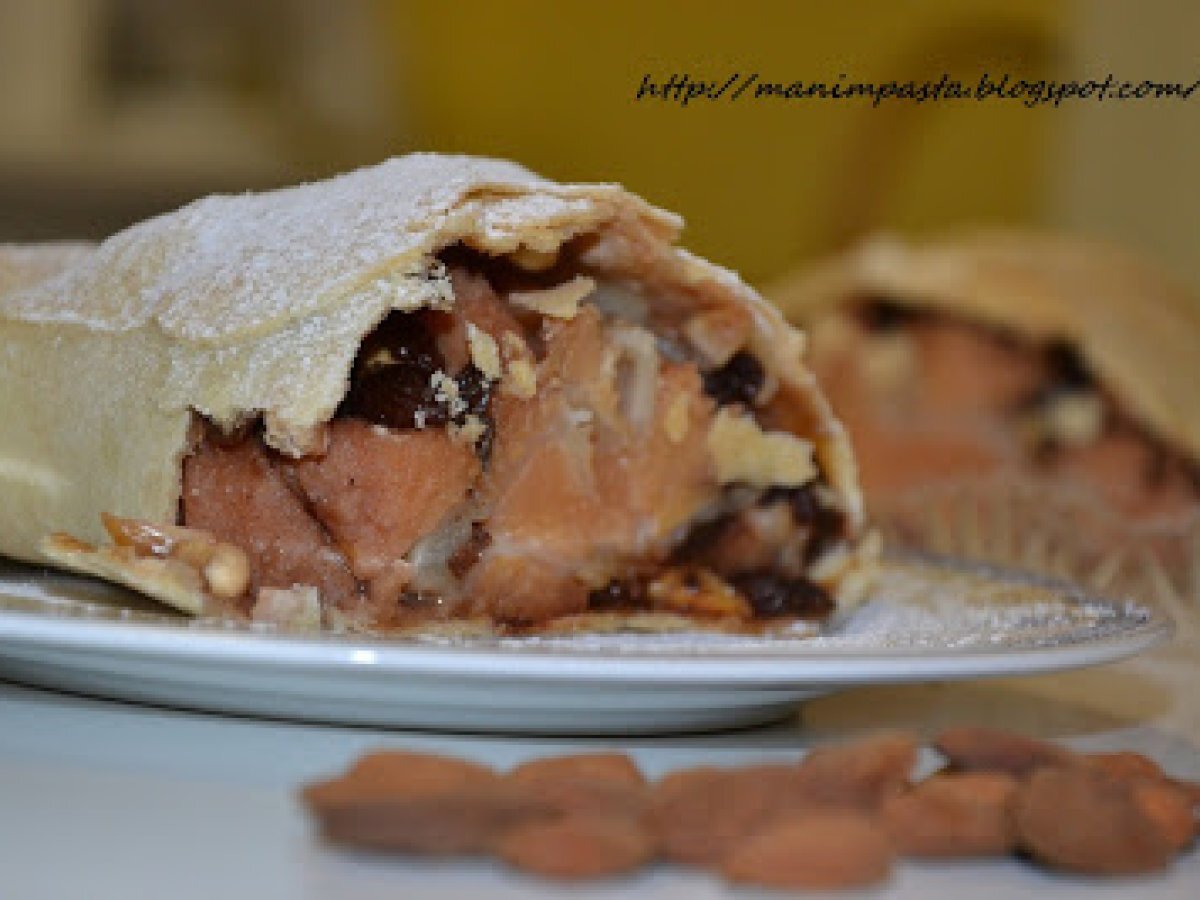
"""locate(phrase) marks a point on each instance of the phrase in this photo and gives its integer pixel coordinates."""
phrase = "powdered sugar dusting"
(915, 605)
(255, 304)
(926, 607)
(233, 266)
(22, 265)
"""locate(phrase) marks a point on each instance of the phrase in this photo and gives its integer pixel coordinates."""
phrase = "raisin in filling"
(1068, 370)
(1067, 376)
(770, 594)
(469, 552)
(391, 383)
(620, 594)
(394, 382)
(475, 399)
(700, 541)
(827, 525)
(738, 381)
(401, 380)
(880, 315)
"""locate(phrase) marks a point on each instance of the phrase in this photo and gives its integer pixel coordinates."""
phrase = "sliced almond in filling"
(745, 454)
(458, 393)
(486, 464)
(559, 302)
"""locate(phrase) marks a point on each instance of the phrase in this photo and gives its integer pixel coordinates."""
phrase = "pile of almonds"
(837, 819)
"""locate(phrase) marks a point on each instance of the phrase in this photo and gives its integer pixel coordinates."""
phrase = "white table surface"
(103, 800)
(108, 801)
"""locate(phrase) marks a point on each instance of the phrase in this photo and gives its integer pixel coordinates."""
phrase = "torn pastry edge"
(973, 276)
(639, 240)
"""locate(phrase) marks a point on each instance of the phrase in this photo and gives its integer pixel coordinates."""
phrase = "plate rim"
(205, 642)
(843, 666)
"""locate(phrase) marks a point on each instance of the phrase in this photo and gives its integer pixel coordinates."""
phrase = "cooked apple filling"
(929, 395)
(547, 445)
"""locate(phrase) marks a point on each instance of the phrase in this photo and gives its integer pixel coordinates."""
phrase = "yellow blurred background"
(115, 109)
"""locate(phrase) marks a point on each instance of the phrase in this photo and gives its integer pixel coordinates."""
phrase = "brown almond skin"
(954, 815)
(398, 774)
(616, 768)
(587, 796)
(417, 803)
(1082, 820)
(577, 847)
(591, 783)
(977, 748)
(698, 814)
(1170, 809)
(836, 820)
(821, 850)
(410, 772)
(1189, 789)
(1169, 804)
(860, 774)
(444, 823)
(1126, 766)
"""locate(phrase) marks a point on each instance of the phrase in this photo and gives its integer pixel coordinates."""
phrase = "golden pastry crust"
(255, 305)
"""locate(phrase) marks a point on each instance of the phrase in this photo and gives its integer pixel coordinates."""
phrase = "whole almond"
(617, 768)
(698, 814)
(1170, 809)
(860, 774)
(588, 783)
(409, 772)
(954, 815)
(822, 850)
(577, 847)
(1083, 820)
(443, 823)
(978, 748)
(417, 803)
(1126, 765)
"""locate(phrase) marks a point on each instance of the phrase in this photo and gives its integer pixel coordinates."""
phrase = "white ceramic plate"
(928, 619)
